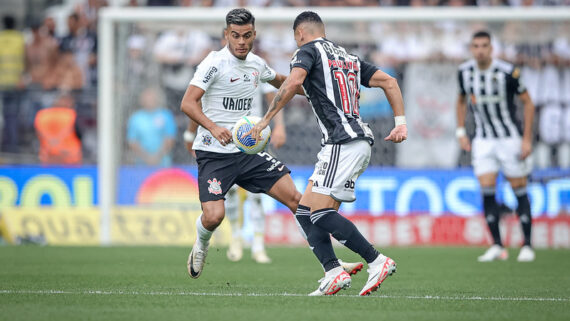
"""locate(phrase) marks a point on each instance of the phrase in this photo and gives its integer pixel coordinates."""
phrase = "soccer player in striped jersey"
(501, 142)
(331, 79)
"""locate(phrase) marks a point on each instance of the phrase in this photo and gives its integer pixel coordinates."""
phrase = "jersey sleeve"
(366, 72)
(206, 73)
(515, 81)
(267, 73)
(304, 58)
(460, 82)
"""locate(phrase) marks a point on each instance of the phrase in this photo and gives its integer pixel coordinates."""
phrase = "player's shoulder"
(467, 65)
(503, 66)
(255, 59)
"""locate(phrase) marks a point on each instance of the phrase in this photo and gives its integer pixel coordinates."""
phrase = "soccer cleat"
(196, 261)
(332, 284)
(377, 273)
(526, 254)
(235, 251)
(260, 257)
(351, 268)
(495, 252)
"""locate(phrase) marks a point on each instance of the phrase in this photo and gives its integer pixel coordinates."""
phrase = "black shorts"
(217, 172)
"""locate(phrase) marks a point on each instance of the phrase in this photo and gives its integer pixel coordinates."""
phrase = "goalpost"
(343, 25)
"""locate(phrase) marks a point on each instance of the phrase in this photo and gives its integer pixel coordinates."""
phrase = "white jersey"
(230, 85)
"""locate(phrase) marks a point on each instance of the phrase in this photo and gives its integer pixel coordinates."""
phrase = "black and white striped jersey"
(332, 86)
(491, 96)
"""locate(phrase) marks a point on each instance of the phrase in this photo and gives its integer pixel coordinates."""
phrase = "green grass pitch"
(150, 283)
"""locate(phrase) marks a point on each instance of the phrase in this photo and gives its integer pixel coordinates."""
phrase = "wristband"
(460, 132)
(400, 120)
(189, 136)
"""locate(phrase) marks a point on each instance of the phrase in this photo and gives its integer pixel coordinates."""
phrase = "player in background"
(220, 93)
(501, 142)
(331, 79)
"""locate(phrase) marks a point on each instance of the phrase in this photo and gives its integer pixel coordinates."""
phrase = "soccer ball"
(247, 143)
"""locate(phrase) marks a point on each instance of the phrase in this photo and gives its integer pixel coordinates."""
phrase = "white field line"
(154, 293)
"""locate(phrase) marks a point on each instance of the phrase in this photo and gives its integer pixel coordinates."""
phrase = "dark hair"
(307, 16)
(240, 17)
(482, 34)
(9, 22)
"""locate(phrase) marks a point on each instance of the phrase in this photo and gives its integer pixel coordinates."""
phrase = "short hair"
(240, 17)
(482, 34)
(307, 16)
(9, 22)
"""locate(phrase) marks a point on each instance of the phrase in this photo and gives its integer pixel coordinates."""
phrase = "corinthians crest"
(215, 186)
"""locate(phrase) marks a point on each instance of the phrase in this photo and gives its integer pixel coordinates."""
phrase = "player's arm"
(278, 81)
(528, 120)
(278, 133)
(461, 111)
(285, 93)
(192, 107)
(392, 90)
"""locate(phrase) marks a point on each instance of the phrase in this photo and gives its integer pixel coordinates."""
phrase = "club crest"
(215, 186)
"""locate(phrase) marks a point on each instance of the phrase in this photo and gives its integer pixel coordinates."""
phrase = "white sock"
(334, 271)
(203, 235)
(257, 245)
(380, 259)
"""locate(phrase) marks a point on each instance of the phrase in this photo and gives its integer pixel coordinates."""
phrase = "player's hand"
(255, 132)
(464, 143)
(223, 135)
(398, 134)
(278, 136)
(526, 149)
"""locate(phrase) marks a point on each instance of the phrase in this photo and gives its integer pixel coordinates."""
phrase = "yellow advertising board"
(129, 226)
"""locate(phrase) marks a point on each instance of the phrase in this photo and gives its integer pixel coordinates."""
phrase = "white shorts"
(494, 154)
(338, 167)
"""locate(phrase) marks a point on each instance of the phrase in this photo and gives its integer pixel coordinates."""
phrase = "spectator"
(151, 131)
(12, 57)
(58, 133)
(83, 44)
(64, 74)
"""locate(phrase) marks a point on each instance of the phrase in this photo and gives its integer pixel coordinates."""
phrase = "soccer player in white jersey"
(331, 79)
(219, 94)
(501, 142)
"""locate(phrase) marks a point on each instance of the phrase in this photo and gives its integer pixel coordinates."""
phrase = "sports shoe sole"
(391, 269)
(191, 271)
(356, 269)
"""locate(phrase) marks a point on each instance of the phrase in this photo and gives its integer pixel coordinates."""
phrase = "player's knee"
(213, 218)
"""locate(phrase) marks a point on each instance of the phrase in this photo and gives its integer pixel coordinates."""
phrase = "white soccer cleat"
(351, 268)
(196, 261)
(495, 252)
(261, 257)
(332, 284)
(526, 254)
(235, 251)
(377, 273)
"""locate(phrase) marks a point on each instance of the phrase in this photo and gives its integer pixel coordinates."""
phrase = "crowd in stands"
(41, 70)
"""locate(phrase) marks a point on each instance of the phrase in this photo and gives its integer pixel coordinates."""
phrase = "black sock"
(319, 240)
(345, 232)
(491, 215)
(302, 217)
(523, 210)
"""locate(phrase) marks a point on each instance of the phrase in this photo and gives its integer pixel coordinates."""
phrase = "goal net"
(147, 57)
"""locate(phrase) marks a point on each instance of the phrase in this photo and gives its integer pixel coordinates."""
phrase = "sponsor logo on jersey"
(207, 140)
(335, 50)
(246, 78)
(237, 103)
(215, 186)
(210, 74)
(352, 65)
(295, 60)
(234, 79)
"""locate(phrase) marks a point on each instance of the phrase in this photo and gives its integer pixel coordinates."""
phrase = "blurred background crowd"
(48, 77)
